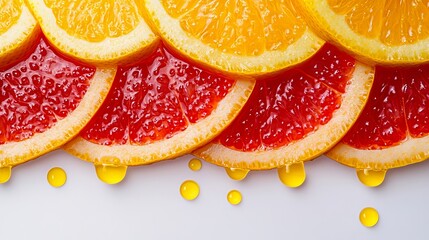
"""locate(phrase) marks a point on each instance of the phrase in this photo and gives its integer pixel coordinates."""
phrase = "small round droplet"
(292, 175)
(237, 174)
(195, 164)
(368, 217)
(234, 197)
(371, 178)
(57, 177)
(5, 174)
(111, 174)
(189, 190)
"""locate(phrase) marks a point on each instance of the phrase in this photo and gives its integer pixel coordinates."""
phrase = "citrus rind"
(181, 143)
(111, 51)
(14, 153)
(270, 61)
(333, 27)
(308, 148)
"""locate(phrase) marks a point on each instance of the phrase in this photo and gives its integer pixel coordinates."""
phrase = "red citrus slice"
(159, 108)
(393, 128)
(46, 100)
(295, 116)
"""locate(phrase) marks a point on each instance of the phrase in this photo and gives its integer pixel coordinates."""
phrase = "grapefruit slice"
(387, 32)
(296, 116)
(159, 108)
(95, 31)
(393, 130)
(45, 101)
(18, 29)
(244, 37)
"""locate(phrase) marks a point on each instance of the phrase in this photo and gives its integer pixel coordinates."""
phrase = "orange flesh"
(289, 107)
(10, 11)
(38, 91)
(154, 99)
(95, 20)
(392, 22)
(241, 27)
(398, 106)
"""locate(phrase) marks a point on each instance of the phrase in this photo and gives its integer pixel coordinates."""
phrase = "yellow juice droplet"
(111, 174)
(371, 178)
(368, 217)
(189, 190)
(237, 173)
(292, 175)
(57, 177)
(234, 197)
(5, 173)
(195, 164)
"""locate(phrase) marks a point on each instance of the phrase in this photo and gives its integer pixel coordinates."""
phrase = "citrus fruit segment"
(95, 31)
(296, 116)
(245, 37)
(45, 101)
(394, 126)
(17, 30)
(159, 108)
(387, 32)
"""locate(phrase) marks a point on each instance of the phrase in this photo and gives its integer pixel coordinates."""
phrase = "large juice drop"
(292, 175)
(189, 190)
(57, 177)
(111, 174)
(371, 178)
(5, 174)
(237, 173)
(234, 197)
(369, 217)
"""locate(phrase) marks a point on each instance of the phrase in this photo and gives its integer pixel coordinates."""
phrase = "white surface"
(147, 205)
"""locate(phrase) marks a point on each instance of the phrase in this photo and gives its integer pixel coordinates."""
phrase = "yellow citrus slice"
(296, 116)
(387, 32)
(18, 29)
(393, 129)
(45, 101)
(95, 31)
(245, 37)
(158, 109)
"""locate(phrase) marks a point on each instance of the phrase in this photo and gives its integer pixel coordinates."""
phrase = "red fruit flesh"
(289, 107)
(398, 107)
(155, 99)
(39, 91)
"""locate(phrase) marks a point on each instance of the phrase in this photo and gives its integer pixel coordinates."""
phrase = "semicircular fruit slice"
(18, 29)
(388, 32)
(95, 31)
(45, 101)
(393, 130)
(245, 37)
(296, 116)
(159, 108)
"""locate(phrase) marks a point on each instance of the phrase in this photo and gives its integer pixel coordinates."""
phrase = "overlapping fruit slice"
(390, 31)
(45, 101)
(159, 108)
(294, 117)
(245, 37)
(394, 126)
(17, 30)
(95, 31)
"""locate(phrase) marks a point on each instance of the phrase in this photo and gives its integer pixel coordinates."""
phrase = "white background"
(147, 205)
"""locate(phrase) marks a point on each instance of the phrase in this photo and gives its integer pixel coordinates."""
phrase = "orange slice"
(95, 31)
(158, 109)
(388, 32)
(246, 37)
(296, 116)
(18, 29)
(45, 101)
(393, 130)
